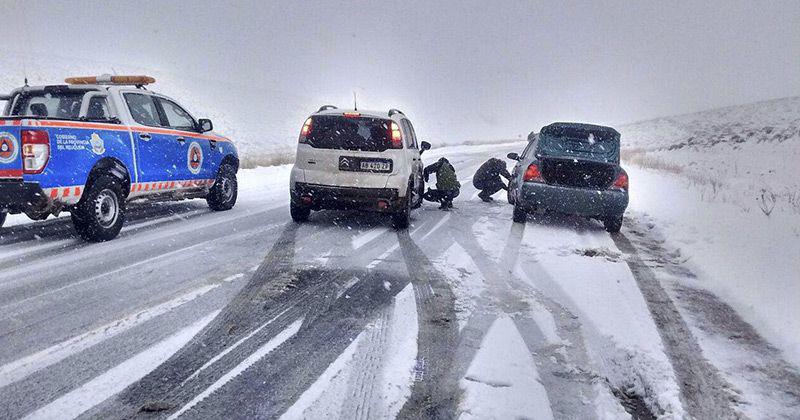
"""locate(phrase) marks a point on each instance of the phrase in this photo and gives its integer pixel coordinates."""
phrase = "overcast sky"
(460, 70)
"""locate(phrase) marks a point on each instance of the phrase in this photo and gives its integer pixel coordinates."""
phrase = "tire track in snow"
(704, 393)
(435, 393)
(563, 367)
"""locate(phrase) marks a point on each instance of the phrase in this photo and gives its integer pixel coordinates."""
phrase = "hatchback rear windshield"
(584, 144)
(338, 132)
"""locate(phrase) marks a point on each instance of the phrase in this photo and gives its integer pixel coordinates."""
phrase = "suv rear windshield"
(62, 103)
(576, 143)
(338, 132)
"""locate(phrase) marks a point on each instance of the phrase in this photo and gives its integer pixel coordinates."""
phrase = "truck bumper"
(568, 200)
(18, 196)
(326, 197)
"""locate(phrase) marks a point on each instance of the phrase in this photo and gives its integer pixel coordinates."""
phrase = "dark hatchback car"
(571, 168)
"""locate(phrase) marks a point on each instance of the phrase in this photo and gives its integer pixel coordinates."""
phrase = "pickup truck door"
(158, 153)
(195, 149)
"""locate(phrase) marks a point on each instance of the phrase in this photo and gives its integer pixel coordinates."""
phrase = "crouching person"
(447, 185)
(487, 178)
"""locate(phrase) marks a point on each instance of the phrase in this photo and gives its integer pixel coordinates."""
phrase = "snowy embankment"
(722, 188)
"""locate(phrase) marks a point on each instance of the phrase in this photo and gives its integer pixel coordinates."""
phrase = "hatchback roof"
(559, 126)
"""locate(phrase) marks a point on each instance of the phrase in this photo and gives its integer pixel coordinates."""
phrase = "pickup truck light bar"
(107, 79)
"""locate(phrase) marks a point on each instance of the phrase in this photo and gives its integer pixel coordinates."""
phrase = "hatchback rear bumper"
(328, 197)
(18, 196)
(570, 200)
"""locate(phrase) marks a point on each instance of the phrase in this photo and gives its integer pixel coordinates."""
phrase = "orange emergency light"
(107, 79)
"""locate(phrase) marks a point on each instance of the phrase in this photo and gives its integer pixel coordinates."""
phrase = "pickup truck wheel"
(613, 224)
(224, 192)
(402, 218)
(100, 214)
(2, 218)
(520, 215)
(299, 212)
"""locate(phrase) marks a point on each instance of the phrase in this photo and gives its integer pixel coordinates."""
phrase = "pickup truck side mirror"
(205, 125)
(424, 146)
(513, 156)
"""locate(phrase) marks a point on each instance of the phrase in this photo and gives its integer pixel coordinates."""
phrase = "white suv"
(350, 159)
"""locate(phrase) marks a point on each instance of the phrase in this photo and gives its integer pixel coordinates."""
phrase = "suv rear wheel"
(100, 213)
(402, 218)
(299, 212)
(224, 192)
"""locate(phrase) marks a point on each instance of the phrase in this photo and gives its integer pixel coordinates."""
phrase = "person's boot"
(485, 198)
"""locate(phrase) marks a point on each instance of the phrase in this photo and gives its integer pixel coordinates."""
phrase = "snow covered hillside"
(722, 189)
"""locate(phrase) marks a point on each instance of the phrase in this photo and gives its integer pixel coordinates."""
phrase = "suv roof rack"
(326, 107)
(395, 111)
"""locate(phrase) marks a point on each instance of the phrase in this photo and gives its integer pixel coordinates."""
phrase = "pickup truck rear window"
(339, 132)
(50, 104)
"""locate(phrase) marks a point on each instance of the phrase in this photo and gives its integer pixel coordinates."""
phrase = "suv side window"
(143, 109)
(411, 139)
(177, 117)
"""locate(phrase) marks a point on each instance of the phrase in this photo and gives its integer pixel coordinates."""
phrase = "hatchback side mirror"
(513, 156)
(424, 146)
(205, 125)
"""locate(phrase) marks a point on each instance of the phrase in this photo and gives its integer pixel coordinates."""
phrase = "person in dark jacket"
(488, 180)
(447, 185)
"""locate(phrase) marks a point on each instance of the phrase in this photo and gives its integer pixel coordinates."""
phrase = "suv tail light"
(532, 173)
(35, 150)
(621, 183)
(395, 136)
(305, 130)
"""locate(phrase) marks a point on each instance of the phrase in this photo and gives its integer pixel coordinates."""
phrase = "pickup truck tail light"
(35, 150)
(621, 183)
(395, 136)
(305, 131)
(532, 173)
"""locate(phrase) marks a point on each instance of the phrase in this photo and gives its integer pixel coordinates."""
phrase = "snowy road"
(243, 314)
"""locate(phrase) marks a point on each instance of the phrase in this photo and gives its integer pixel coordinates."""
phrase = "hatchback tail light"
(621, 183)
(305, 130)
(395, 136)
(532, 173)
(35, 150)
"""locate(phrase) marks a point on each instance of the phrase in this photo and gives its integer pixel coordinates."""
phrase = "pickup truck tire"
(100, 213)
(402, 218)
(299, 212)
(520, 215)
(224, 192)
(613, 224)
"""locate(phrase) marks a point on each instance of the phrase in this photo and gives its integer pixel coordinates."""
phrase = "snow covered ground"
(196, 314)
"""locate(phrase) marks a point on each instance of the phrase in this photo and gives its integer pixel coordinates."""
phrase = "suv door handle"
(181, 140)
(144, 136)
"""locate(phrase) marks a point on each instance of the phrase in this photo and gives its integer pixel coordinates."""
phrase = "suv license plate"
(358, 164)
(375, 166)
